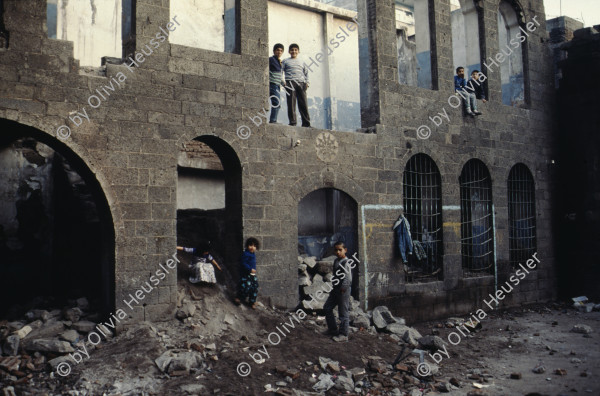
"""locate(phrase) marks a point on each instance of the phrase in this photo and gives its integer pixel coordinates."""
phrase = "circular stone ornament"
(327, 147)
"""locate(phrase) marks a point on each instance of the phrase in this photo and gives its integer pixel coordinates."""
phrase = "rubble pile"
(582, 304)
(376, 376)
(314, 276)
(41, 338)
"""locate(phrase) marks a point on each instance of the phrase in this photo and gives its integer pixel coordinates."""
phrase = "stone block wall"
(132, 140)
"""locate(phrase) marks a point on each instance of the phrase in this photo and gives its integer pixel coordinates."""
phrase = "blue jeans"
(470, 100)
(275, 101)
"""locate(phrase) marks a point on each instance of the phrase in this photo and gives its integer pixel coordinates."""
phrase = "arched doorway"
(57, 237)
(209, 200)
(326, 216)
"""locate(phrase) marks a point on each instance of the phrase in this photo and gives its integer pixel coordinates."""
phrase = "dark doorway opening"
(57, 237)
(209, 201)
(326, 216)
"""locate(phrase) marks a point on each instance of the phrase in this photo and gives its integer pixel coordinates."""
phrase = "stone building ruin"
(163, 151)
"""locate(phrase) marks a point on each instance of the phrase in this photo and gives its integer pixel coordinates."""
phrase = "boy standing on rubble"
(248, 286)
(340, 294)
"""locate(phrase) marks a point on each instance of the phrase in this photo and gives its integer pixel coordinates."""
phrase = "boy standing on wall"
(275, 80)
(296, 84)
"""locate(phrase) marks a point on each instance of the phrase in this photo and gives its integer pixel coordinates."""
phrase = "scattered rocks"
(515, 376)
(71, 336)
(582, 329)
(84, 326)
(11, 345)
(72, 314)
(50, 345)
(23, 331)
(187, 310)
(539, 369)
(382, 317)
(325, 383)
(344, 383)
(310, 261)
(431, 343)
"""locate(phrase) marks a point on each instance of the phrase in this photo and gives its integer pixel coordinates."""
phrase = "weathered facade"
(128, 152)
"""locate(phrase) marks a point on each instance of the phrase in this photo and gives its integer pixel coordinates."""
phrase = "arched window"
(423, 209)
(476, 216)
(512, 68)
(521, 214)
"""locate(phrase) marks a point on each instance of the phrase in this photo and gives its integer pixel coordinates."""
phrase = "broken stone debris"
(36, 339)
(582, 329)
(178, 363)
(187, 310)
(382, 317)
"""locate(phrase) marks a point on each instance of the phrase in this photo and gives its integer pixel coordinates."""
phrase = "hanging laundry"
(403, 238)
(419, 251)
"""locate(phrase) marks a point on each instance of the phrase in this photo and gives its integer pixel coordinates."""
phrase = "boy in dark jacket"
(476, 87)
(275, 80)
(248, 286)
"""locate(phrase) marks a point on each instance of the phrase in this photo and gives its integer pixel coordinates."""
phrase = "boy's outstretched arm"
(216, 265)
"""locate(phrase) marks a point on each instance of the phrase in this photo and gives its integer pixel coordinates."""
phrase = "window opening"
(413, 35)
(477, 233)
(521, 215)
(423, 210)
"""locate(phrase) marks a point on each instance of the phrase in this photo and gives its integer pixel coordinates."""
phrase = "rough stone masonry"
(131, 144)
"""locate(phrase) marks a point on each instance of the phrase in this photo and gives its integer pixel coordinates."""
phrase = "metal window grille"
(477, 233)
(423, 210)
(521, 214)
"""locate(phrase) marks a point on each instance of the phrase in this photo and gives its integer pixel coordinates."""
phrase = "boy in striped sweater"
(296, 84)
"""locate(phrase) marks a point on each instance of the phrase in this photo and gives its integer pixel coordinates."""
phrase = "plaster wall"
(210, 34)
(93, 26)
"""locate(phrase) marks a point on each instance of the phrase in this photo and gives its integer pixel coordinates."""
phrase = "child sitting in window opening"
(477, 87)
(201, 264)
(248, 286)
(470, 100)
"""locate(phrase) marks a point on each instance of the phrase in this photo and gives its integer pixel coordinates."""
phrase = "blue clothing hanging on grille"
(403, 237)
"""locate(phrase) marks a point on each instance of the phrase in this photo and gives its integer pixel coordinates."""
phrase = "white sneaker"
(340, 338)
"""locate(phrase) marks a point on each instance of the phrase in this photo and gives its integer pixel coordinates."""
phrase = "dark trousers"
(342, 300)
(297, 91)
(248, 287)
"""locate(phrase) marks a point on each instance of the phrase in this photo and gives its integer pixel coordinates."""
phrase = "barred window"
(476, 216)
(423, 210)
(521, 214)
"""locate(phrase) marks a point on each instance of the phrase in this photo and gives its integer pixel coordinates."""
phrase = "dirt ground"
(511, 341)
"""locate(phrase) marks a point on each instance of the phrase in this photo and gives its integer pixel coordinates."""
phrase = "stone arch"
(78, 158)
(227, 232)
(315, 181)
